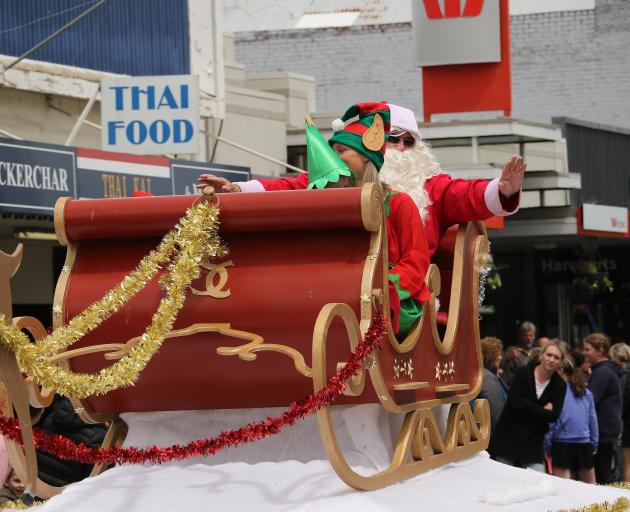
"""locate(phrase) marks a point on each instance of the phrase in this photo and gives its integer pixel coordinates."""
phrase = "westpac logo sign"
(150, 114)
(452, 9)
(456, 31)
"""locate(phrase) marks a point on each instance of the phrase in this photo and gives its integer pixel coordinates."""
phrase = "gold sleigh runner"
(229, 306)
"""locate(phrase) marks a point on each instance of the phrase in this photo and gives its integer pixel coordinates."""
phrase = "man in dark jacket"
(518, 355)
(604, 383)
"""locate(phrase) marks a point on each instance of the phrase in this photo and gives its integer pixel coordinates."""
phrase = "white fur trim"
(493, 201)
(405, 119)
(250, 186)
(338, 125)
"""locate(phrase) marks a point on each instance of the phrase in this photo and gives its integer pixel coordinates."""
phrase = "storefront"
(585, 292)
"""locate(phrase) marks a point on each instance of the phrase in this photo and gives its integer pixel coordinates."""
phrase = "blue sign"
(33, 176)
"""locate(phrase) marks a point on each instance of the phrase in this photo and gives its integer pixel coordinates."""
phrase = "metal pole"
(54, 34)
(216, 142)
(261, 155)
(475, 149)
(9, 134)
(86, 122)
(81, 119)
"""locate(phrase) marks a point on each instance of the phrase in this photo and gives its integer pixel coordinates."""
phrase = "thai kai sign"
(456, 31)
(151, 114)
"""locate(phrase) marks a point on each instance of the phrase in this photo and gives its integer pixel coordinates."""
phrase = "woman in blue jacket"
(572, 439)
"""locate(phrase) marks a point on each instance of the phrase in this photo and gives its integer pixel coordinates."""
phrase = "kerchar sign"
(150, 114)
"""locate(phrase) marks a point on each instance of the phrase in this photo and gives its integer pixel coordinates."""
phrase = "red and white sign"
(123, 163)
(456, 31)
(463, 47)
(452, 9)
(609, 219)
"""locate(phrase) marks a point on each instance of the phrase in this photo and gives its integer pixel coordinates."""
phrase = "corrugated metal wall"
(602, 157)
(133, 37)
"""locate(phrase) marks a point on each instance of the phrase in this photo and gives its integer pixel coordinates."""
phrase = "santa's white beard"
(407, 171)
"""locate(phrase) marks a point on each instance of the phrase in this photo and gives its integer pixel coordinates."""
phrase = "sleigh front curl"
(273, 320)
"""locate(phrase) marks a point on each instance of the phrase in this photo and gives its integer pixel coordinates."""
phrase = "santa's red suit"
(453, 201)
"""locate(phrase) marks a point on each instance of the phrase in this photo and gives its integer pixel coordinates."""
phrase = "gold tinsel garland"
(620, 505)
(192, 241)
(19, 505)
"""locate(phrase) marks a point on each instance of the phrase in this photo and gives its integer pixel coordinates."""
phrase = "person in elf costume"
(354, 156)
(409, 166)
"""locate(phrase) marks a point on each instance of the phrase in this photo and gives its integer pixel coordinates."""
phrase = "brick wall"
(349, 65)
(573, 63)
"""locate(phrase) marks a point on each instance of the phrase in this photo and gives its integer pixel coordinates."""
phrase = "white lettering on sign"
(551, 265)
(37, 177)
(151, 115)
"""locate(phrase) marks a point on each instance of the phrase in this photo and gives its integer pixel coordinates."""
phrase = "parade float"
(289, 297)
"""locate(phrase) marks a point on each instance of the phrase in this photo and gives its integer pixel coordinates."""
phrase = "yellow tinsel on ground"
(194, 240)
(620, 505)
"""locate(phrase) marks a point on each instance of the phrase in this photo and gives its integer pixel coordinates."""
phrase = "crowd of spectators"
(560, 410)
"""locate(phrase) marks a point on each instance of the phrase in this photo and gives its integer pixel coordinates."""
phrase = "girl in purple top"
(572, 439)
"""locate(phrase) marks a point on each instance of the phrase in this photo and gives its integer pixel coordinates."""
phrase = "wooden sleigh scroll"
(273, 320)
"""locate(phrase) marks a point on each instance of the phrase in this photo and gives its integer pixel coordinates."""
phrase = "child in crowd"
(13, 489)
(572, 439)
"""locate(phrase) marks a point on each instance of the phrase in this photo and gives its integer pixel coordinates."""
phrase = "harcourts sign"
(151, 114)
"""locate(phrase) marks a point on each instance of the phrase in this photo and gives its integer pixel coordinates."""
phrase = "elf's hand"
(220, 185)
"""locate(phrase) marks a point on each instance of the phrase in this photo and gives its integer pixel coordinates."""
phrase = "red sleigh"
(270, 323)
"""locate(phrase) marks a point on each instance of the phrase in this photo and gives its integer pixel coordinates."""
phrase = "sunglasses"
(407, 142)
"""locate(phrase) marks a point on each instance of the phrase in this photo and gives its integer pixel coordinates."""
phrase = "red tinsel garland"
(68, 450)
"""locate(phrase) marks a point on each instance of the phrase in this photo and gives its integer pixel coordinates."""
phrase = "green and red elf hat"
(324, 165)
(368, 133)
